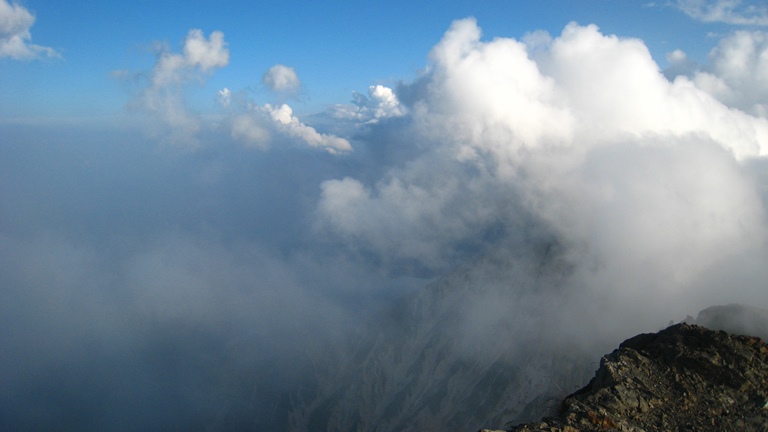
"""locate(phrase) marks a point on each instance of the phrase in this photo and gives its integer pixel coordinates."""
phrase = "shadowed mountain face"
(682, 378)
(476, 348)
(488, 345)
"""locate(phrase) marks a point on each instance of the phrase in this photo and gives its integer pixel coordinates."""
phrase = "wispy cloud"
(162, 97)
(736, 12)
(15, 37)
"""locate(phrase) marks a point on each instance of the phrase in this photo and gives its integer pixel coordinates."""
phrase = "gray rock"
(685, 378)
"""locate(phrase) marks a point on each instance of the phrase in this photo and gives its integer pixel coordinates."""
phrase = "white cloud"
(163, 97)
(199, 54)
(282, 79)
(737, 73)
(206, 54)
(291, 125)
(736, 12)
(15, 22)
(261, 125)
(639, 178)
(380, 103)
(254, 125)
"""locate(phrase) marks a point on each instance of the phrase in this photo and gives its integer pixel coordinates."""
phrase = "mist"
(180, 270)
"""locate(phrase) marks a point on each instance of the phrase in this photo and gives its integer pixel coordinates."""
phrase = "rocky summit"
(683, 378)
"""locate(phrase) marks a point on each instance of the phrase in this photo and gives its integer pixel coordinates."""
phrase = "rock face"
(683, 378)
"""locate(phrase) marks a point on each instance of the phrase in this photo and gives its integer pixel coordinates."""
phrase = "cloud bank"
(643, 181)
(15, 38)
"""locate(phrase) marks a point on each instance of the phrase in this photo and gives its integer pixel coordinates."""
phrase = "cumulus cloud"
(260, 125)
(252, 124)
(291, 125)
(199, 54)
(282, 79)
(642, 180)
(737, 73)
(15, 38)
(735, 12)
(251, 129)
(163, 96)
(381, 103)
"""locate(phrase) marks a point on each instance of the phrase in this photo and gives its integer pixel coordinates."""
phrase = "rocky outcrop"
(683, 378)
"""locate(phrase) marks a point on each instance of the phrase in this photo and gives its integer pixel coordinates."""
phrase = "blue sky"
(335, 49)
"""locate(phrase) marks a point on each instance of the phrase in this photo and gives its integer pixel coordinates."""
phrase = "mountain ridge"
(685, 377)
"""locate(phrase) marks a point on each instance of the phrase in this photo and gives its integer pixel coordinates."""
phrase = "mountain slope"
(682, 378)
(471, 349)
(504, 338)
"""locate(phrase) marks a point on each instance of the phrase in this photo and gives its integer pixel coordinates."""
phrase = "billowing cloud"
(261, 125)
(282, 79)
(642, 180)
(380, 103)
(291, 125)
(737, 73)
(736, 12)
(15, 38)
(199, 54)
(205, 54)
